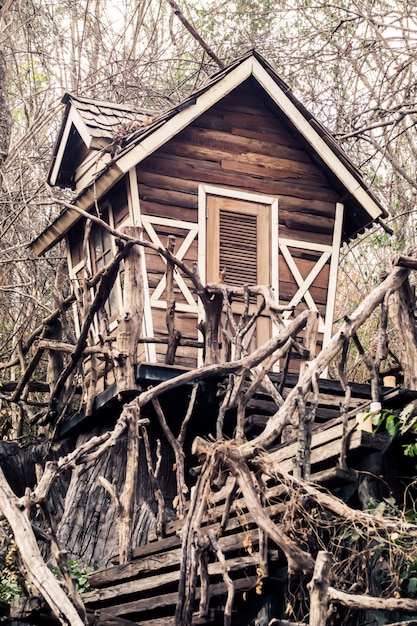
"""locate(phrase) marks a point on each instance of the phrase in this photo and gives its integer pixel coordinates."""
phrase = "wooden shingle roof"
(98, 122)
(103, 119)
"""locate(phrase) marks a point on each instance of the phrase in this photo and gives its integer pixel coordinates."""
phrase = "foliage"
(79, 573)
(9, 587)
(398, 424)
(366, 558)
(10, 580)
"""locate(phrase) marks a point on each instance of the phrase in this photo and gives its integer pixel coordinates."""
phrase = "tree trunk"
(402, 316)
(5, 116)
(128, 494)
(319, 589)
(35, 568)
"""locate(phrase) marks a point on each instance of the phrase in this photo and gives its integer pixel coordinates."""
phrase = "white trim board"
(334, 268)
(135, 216)
(70, 121)
(314, 139)
(182, 119)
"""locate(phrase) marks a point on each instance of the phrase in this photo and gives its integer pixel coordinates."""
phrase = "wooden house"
(249, 183)
(256, 193)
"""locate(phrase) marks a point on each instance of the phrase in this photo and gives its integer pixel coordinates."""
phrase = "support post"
(402, 306)
(130, 322)
(128, 494)
(319, 589)
(174, 336)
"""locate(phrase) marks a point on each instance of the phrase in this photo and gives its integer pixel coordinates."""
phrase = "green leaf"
(390, 425)
(410, 449)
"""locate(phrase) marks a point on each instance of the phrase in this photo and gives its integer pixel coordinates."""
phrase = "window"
(240, 244)
(238, 241)
(101, 248)
(114, 210)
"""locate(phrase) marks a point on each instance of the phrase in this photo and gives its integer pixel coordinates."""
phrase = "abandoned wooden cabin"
(243, 184)
(243, 177)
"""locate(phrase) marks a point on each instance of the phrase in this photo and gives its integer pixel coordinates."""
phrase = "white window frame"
(256, 198)
(88, 264)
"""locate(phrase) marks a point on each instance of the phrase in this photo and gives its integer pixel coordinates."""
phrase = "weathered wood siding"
(87, 517)
(243, 144)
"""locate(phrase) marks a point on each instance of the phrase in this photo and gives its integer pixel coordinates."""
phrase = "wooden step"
(163, 600)
(149, 583)
(213, 617)
(144, 584)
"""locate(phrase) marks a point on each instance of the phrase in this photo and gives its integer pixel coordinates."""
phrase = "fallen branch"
(217, 369)
(194, 33)
(35, 568)
(226, 578)
(85, 454)
(371, 603)
(297, 559)
(373, 523)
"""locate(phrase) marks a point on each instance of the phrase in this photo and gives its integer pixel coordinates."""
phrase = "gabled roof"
(97, 123)
(144, 134)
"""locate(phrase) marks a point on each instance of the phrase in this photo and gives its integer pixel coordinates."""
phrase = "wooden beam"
(402, 260)
(101, 618)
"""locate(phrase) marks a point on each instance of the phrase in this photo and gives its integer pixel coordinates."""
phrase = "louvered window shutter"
(238, 247)
(238, 240)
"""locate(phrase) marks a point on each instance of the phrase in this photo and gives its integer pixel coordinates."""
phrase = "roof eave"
(252, 66)
(319, 145)
(49, 237)
(71, 118)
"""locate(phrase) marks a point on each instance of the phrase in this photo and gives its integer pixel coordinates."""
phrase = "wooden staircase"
(144, 591)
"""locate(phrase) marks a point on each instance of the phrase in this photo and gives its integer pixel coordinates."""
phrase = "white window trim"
(106, 205)
(88, 265)
(334, 267)
(223, 192)
(136, 219)
(73, 271)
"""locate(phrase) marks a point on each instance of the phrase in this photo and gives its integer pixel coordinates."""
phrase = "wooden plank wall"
(240, 144)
